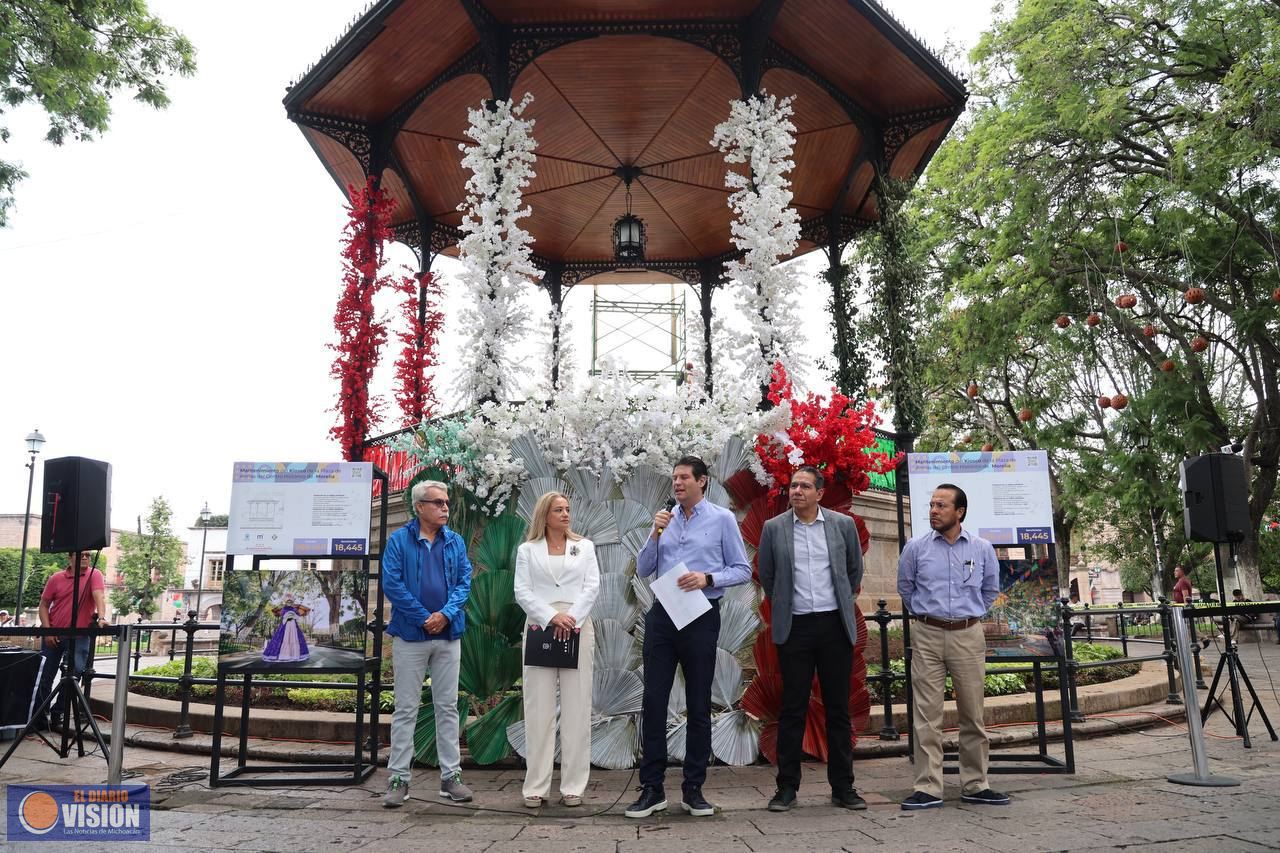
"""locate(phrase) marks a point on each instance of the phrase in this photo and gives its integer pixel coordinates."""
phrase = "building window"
(310, 564)
(216, 567)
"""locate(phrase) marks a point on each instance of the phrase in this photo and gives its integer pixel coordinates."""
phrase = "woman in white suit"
(557, 580)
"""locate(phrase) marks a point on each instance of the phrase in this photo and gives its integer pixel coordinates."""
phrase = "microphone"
(671, 504)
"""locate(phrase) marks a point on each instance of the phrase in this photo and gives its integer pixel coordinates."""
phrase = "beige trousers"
(540, 696)
(934, 651)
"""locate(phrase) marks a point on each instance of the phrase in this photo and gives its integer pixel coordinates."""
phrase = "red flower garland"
(360, 334)
(835, 436)
(415, 390)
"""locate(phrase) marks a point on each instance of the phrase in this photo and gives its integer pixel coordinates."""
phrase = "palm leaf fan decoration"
(613, 559)
(492, 603)
(738, 625)
(594, 520)
(615, 648)
(677, 738)
(676, 699)
(612, 601)
(487, 734)
(735, 738)
(643, 593)
(743, 487)
(717, 495)
(648, 487)
(731, 459)
(616, 691)
(615, 742)
(490, 662)
(586, 484)
(496, 550)
(726, 683)
(528, 450)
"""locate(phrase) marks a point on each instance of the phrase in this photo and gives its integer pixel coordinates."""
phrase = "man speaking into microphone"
(704, 538)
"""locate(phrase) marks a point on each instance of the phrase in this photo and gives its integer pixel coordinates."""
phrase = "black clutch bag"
(541, 648)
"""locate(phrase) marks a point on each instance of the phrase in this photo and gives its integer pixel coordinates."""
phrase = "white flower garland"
(495, 251)
(613, 425)
(766, 229)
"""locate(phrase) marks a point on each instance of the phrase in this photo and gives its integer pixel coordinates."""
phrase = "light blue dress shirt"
(707, 541)
(948, 580)
(814, 591)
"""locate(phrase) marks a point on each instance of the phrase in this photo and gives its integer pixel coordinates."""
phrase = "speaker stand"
(1230, 661)
(76, 714)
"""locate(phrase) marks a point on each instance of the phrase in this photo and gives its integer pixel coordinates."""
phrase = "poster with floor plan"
(300, 509)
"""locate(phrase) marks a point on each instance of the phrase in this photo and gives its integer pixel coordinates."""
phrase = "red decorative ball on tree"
(1104, 402)
(968, 439)
(988, 447)
(1194, 295)
(1063, 321)
(1122, 246)
(1168, 365)
(1093, 319)
(1026, 415)
(1199, 343)
(1126, 300)
(972, 390)
(1119, 401)
(1149, 330)
(1275, 295)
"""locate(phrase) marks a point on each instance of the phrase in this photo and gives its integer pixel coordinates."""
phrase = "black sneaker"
(784, 799)
(921, 800)
(986, 797)
(848, 800)
(651, 800)
(695, 804)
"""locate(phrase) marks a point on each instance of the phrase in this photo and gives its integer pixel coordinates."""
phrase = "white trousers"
(541, 685)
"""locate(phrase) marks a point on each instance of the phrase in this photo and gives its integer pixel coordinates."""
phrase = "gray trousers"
(412, 661)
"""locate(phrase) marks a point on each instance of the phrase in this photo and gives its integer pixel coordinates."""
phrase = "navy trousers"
(817, 642)
(694, 649)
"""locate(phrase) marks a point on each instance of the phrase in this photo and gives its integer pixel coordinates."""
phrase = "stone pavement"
(1119, 799)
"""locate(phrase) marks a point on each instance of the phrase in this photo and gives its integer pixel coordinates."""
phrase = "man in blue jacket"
(427, 578)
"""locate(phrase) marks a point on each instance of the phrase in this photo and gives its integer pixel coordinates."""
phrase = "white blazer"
(578, 582)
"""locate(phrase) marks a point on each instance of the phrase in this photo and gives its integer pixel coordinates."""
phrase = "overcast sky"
(169, 288)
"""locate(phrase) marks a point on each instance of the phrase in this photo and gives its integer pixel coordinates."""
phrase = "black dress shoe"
(848, 800)
(784, 799)
(651, 800)
(695, 804)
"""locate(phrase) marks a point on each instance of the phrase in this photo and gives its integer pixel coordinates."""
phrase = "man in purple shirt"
(947, 579)
(704, 538)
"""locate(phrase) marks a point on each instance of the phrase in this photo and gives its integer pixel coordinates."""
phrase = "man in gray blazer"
(811, 569)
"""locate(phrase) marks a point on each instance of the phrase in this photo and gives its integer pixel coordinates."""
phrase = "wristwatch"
(711, 580)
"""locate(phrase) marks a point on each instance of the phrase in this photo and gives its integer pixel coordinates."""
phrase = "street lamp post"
(35, 441)
(205, 515)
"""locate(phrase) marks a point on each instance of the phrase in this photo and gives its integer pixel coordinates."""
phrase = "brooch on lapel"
(573, 550)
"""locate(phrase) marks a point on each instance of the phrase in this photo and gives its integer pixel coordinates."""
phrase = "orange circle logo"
(38, 812)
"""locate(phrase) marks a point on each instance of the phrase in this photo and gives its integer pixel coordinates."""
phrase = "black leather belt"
(949, 624)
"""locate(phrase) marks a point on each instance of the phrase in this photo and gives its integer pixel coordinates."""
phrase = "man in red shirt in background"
(55, 612)
(1181, 586)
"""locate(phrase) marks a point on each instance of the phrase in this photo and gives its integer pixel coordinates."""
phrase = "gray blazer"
(776, 556)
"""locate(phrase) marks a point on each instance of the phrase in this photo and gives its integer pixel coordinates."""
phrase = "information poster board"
(300, 508)
(1008, 493)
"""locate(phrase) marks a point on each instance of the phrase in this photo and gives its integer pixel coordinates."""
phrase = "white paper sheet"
(683, 607)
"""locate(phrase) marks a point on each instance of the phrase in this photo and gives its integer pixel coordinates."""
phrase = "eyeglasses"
(438, 503)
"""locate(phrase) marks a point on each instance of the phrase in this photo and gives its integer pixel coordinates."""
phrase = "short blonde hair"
(538, 523)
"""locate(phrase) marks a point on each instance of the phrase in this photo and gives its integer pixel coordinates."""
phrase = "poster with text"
(300, 508)
(1008, 493)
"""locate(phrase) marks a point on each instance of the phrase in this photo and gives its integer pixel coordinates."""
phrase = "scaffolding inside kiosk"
(639, 327)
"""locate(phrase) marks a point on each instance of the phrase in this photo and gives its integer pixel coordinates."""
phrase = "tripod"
(76, 714)
(1230, 661)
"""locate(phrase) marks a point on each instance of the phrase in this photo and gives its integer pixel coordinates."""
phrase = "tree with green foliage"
(1105, 225)
(39, 567)
(72, 57)
(150, 562)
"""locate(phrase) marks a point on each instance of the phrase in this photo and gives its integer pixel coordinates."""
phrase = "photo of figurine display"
(285, 615)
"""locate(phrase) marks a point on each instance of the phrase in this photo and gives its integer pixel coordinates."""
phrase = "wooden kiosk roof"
(640, 83)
